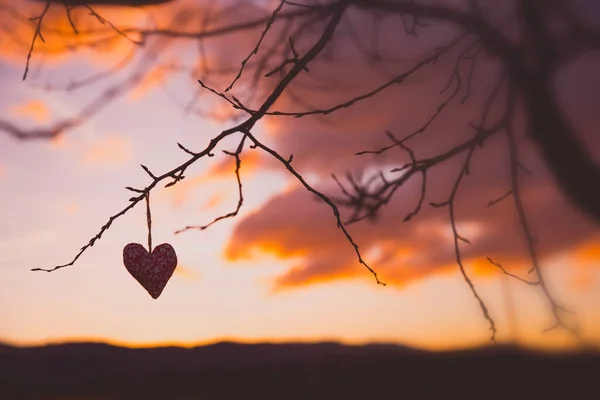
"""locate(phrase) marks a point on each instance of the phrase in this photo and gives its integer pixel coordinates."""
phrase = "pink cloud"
(71, 208)
(34, 109)
(185, 273)
(109, 150)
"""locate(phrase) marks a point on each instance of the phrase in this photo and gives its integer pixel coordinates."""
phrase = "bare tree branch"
(245, 127)
(323, 197)
(38, 33)
(238, 164)
(255, 50)
(497, 264)
(529, 239)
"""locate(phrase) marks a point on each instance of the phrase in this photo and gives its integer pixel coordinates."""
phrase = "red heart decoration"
(151, 270)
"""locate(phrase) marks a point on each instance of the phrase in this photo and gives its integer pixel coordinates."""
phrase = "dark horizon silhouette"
(291, 371)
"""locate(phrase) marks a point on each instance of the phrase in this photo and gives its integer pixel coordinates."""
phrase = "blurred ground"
(292, 371)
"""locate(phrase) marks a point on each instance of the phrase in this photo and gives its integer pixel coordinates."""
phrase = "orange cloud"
(154, 78)
(58, 142)
(251, 160)
(214, 201)
(298, 274)
(109, 35)
(588, 253)
(71, 208)
(223, 112)
(60, 38)
(34, 109)
(296, 226)
(223, 169)
(113, 149)
(582, 280)
(185, 272)
(180, 193)
(483, 268)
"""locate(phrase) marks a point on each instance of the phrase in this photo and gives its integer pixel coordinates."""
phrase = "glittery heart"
(151, 270)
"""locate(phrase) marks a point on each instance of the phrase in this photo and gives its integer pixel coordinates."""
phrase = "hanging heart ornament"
(151, 270)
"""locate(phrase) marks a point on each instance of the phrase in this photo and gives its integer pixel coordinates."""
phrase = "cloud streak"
(34, 109)
(109, 150)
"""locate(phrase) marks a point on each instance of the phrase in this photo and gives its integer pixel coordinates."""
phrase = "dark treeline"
(292, 371)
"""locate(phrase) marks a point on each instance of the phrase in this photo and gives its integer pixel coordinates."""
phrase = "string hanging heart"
(151, 268)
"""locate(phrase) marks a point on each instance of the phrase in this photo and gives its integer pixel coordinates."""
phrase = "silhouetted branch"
(38, 33)
(423, 177)
(499, 199)
(255, 50)
(104, 21)
(497, 264)
(529, 239)
(244, 127)
(384, 192)
(394, 81)
(452, 199)
(99, 103)
(238, 164)
(457, 237)
(454, 77)
(120, 3)
(323, 197)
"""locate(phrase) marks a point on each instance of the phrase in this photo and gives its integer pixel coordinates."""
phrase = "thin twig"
(499, 199)
(530, 240)
(334, 208)
(238, 164)
(256, 48)
(497, 264)
(38, 33)
(104, 21)
(398, 79)
(149, 221)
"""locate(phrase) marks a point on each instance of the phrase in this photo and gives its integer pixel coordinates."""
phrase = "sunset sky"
(280, 270)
